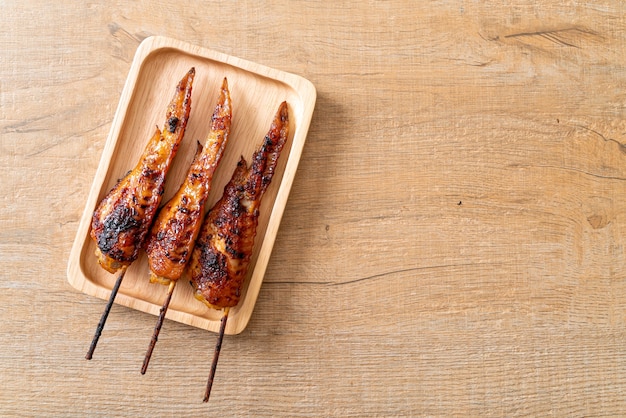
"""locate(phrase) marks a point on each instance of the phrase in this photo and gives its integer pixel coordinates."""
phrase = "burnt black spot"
(124, 176)
(172, 123)
(258, 157)
(213, 264)
(174, 259)
(120, 220)
(156, 176)
(234, 253)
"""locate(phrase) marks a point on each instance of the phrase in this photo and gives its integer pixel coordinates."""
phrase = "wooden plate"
(256, 92)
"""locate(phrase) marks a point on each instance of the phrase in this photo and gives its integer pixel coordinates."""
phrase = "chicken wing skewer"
(219, 261)
(122, 219)
(175, 230)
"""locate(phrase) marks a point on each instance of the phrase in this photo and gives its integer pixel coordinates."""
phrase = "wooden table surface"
(454, 242)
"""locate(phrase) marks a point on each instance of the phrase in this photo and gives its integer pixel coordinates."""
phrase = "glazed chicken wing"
(122, 219)
(220, 258)
(175, 230)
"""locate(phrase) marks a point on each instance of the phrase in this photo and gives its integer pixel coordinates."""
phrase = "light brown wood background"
(454, 243)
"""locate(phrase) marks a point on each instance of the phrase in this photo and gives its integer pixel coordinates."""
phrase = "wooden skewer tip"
(157, 327)
(105, 315)
(216, 354)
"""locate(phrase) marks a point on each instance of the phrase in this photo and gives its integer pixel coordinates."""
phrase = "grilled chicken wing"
(220, 258)
(175, 230)
(121, 221)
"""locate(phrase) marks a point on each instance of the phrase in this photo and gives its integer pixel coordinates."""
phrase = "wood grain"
(453, 244)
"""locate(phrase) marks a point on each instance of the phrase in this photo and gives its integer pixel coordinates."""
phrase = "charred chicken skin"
(219, 261)
(177, 225)
(122, 219)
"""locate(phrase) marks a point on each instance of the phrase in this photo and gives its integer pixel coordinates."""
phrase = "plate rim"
(307, 94)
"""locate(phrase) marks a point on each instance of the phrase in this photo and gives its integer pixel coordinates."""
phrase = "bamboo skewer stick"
(216, 355)
(105, 315)
(157, 327)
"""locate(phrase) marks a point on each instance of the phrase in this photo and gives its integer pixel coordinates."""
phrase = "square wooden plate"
(256, 92)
